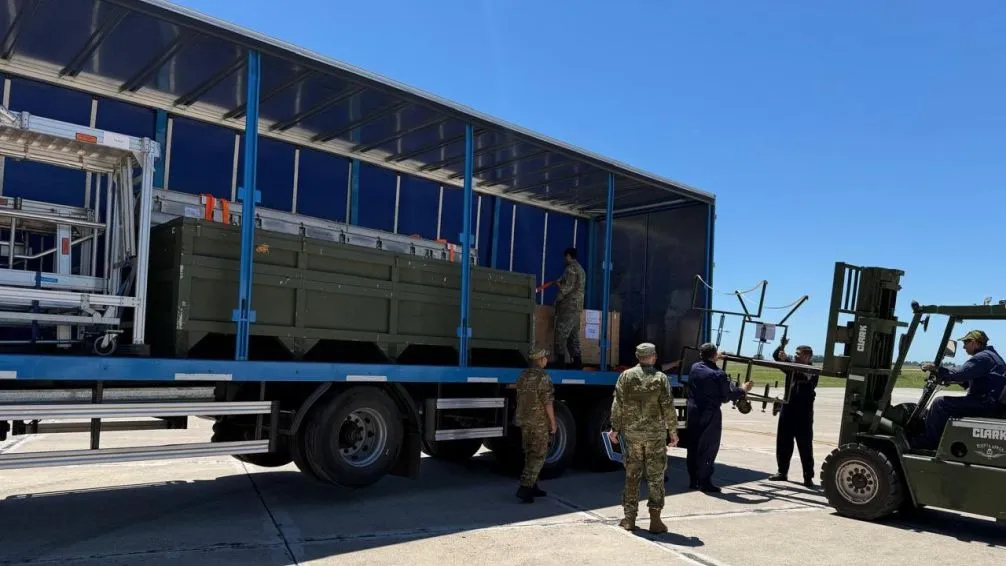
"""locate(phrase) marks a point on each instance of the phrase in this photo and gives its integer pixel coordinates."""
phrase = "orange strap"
(208, 209)
(211, 204)
(450, 249)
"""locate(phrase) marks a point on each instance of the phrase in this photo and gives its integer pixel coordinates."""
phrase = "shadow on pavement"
(275, 515)
(950, 524)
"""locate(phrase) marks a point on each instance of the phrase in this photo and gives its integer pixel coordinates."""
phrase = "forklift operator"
(984, 377)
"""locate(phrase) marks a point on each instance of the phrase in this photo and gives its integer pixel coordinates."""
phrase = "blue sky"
(859, 131)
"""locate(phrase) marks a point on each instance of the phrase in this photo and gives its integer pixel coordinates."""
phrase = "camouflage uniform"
(568, 308)
(643, 414)
(534, 392)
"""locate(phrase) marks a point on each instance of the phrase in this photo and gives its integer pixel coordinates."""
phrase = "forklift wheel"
(861, 483)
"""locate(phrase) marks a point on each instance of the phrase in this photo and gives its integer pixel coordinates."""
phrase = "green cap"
(539, 353)
(976, 335)
(645, 349)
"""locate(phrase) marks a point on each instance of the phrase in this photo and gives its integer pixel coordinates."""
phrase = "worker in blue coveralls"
(984, 377)
(708, 389)
(796, 416)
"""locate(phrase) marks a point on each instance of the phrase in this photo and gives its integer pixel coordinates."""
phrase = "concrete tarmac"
(219, 511)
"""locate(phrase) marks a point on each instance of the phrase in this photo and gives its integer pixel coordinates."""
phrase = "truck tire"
(562, 450)
(453, 450)
(355, 439)
(298, 452)
(861, 483)
(509, 451)
(596, 421)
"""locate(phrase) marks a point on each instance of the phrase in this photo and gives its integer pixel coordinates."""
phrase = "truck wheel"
(861, 483)
(355, 440)
(298, 452)
(596, 422)
(453, 450)
(562, 450)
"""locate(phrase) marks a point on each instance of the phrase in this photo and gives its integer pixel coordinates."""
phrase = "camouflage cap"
(539, 353)
(977, 335)
(645, 349)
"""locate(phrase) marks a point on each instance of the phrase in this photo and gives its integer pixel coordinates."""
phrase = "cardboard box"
(590, 334)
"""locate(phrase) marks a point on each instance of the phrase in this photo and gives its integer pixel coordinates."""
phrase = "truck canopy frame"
(141, 51)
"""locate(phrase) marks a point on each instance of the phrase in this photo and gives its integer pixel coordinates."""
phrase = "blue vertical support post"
(591, 256)
(464, 330)
(495, 250)
(606, 270)
(249, 196)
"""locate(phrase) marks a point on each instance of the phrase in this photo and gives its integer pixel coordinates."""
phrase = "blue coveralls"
(708, 389)
(984, 376)
(796, 420)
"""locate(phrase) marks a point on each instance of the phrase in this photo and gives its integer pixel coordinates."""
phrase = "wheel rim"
(362, 437)
(857, 481)
(558, 445)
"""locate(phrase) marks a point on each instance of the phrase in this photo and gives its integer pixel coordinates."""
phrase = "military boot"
(537, 491)
(577, 363)
(629, 522)
(525, 494)
(656, 525)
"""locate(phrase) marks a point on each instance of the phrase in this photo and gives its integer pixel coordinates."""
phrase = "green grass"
(910, 377)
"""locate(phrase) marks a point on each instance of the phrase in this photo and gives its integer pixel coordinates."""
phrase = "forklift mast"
(869, 296)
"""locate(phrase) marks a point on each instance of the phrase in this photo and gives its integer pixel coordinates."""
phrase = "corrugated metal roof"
(166, 56)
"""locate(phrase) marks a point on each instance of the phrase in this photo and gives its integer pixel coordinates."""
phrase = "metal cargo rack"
(61, 294)
(169, 205)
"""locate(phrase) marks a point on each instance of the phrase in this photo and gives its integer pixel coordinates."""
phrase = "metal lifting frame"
(112, 157)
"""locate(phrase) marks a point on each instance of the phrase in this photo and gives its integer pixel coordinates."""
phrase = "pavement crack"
(272, 517)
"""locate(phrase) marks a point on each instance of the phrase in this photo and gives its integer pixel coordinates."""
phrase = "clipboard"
(614, 451)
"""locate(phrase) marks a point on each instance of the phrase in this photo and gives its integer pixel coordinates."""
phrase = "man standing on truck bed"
(535, 416)
(568, 310)
(643, 413)
(796, 416)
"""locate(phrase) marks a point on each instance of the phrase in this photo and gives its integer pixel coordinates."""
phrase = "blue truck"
(119, 114)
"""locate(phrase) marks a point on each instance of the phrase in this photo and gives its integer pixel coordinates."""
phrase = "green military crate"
(310, 294)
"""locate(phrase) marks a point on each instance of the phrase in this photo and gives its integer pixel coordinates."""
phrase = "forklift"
(876, 472)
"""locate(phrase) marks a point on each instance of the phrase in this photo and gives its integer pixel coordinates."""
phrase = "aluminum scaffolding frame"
(169, 205)
(34, 296)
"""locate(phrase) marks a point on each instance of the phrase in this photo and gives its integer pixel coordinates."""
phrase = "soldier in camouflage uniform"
(643, 414)
(536, 418)
(568, 309)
